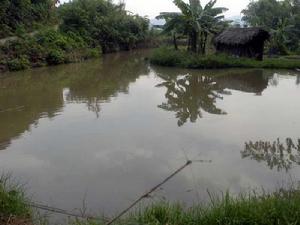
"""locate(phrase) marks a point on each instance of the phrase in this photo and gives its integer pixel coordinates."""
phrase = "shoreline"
(280, 207)
(183, 59)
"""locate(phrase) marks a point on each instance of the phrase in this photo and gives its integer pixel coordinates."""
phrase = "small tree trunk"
(175, 41)
(189, 43)
(194, 41)
(202, 43)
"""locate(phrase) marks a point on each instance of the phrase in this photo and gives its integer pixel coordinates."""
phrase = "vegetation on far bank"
(86, 29)
(281, 19)
(48, 47)
(48, 33)
(17, 17)
(181, 58)
(200, 25)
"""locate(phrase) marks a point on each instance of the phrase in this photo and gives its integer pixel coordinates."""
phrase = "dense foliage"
(100, 22)
(25, 15)
(281, 18)
(86, 28)
(48, 47)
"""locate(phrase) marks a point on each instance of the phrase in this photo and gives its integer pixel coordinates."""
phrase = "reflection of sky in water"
(111, 159)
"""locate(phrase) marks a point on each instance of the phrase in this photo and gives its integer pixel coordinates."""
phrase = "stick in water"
(189, 162)
(59, 211)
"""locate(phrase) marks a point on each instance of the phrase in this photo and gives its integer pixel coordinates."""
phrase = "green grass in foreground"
(184, 59)
(280, 208)
(12, 200)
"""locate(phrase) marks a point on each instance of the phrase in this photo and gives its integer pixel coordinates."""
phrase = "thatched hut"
(242, 42)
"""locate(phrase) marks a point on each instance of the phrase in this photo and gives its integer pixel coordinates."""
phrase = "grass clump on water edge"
(282, 208)
(13, 206)
(181, 58)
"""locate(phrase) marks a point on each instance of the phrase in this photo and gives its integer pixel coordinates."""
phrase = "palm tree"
(195, 21)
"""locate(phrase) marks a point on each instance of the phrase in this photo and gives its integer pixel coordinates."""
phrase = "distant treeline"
(83, 29)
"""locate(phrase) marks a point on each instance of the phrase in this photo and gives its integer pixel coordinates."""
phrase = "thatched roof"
(241, 36)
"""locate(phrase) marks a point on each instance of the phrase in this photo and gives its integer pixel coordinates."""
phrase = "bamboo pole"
(189, 162)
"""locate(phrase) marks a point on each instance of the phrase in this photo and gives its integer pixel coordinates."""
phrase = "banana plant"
(174, 25)
(195, 21)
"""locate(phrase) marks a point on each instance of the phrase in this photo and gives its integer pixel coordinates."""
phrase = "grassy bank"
(281, 207)
(184, 59)
(13, 209)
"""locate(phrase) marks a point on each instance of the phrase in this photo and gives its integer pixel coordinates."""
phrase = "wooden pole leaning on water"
(65, 212)
(189, 162)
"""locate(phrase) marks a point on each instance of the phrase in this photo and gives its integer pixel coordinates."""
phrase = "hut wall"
(251, 49)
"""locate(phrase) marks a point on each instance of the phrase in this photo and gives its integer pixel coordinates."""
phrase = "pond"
(103, 132)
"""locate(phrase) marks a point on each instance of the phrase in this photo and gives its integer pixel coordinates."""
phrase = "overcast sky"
(152, 8)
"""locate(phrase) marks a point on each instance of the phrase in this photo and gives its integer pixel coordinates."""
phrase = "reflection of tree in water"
(188, 95)
(98, 86)
(34, 94)
(24, 99)
(249, 81)
(274, 79)
(275, 154)
(191, 94)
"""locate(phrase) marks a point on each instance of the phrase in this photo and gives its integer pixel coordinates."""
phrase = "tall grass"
(12, 199)
(280, 208)
(172, 58)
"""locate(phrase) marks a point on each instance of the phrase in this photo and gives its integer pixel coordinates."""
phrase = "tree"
(211, 22)
(195, 21)
(280, 18)
(175, 25)
(103, 23)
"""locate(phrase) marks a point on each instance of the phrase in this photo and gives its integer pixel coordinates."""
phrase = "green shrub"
(167, 57)
(55, 57)
(77, 40)
(18, 63)
(46, 47)
(93, 53)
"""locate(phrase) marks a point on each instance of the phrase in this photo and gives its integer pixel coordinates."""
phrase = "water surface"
(105, 131)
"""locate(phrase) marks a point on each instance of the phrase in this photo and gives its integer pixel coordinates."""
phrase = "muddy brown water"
(105, 131)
